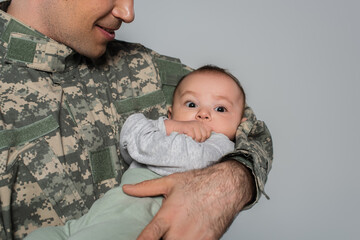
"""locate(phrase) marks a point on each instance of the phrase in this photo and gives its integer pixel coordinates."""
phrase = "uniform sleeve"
(5, 216)
(147, 143)
(254, 149)
(6, 183)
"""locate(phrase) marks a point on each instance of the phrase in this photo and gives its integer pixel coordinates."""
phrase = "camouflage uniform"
(60, 118)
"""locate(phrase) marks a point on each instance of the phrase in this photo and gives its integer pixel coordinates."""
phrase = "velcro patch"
(102, 167)
(19, 136)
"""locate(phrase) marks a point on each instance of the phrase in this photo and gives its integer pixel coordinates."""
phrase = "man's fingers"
(148, 188)
(154, 230)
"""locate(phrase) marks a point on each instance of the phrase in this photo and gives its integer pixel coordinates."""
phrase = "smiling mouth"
(111, 31)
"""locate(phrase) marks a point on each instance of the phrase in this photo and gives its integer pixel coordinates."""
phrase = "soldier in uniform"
(66, 88)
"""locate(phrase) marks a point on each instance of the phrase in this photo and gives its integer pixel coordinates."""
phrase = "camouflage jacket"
(60, 118)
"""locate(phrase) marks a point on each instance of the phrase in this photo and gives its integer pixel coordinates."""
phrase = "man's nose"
(124, 10)
(203, 115)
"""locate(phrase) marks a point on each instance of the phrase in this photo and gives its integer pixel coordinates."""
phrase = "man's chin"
(92, 53)
(95, 55)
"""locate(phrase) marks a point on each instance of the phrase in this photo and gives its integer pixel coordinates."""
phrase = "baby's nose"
(203, 115)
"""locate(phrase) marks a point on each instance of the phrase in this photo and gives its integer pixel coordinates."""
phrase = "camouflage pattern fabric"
(60, 119)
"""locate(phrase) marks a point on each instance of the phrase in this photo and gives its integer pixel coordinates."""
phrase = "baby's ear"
(169, 112)
(243, 120)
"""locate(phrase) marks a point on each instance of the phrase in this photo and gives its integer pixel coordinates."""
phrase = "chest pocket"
(41, 190)
(56, 186)
(19, 136)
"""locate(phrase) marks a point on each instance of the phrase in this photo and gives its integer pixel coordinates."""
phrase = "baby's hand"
(194, 129)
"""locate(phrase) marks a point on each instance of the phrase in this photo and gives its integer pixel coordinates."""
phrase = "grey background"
(299, 64)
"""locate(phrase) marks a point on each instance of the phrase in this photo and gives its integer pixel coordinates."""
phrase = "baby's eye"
(190, 104)
(220, 109)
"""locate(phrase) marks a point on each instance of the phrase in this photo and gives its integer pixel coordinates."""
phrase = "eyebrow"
(224, 98)
(218, 97)
(187, 92)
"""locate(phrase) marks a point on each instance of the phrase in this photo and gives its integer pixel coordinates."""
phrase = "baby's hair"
(213, 69)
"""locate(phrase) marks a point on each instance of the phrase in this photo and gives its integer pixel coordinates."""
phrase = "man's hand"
(199, 204)
(194, 129)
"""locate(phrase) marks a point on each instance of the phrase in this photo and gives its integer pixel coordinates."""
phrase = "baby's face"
(212, 98)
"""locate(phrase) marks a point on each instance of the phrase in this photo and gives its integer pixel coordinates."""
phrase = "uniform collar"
(4, 4)
(27, 46)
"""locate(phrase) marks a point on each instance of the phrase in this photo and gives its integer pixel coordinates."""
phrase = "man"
(66, 86)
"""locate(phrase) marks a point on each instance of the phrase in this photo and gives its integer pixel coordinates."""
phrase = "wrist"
(243, 181)
(169, 126)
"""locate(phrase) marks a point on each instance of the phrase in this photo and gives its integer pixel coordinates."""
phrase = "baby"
(207, 108)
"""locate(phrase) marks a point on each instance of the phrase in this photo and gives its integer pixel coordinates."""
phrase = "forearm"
(234, 191)
(241, 181)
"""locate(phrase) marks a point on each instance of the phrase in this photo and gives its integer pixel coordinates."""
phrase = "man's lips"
(109, 30)
(108, 33)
